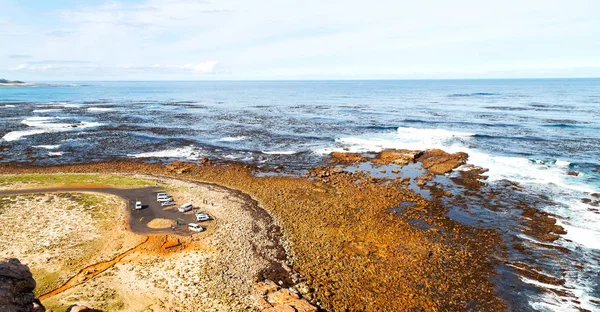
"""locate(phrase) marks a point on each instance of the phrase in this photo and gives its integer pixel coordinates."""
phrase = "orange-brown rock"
(342, 157)
(399, 157)
(440, 162)
(281, 296)
(205, 161)
(541, 225)
(280, 308)
(303, 306)
(261, 301)
(179, 167)
(265, 287)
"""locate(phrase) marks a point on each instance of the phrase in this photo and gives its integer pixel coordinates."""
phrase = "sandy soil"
(160, 223)
(58, 234)
(209, 271)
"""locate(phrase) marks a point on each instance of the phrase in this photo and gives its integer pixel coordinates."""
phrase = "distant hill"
(9, 81)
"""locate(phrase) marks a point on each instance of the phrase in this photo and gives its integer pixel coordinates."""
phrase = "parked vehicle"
(202, 216)
(167, 203)
(163, 197)
(138, 205)
(195, 227)
(186, 207)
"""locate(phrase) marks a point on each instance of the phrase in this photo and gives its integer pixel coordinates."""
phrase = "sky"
(305, 39)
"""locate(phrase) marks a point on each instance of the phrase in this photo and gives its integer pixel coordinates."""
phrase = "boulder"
(16, 286)
(205, 161)
(399, 157)
(440, 162)
(265, 287)
(179, 167)
(301, 305)
(280, 308)
(282, 296)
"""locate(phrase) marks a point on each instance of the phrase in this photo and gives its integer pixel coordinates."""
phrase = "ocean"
(542, 134)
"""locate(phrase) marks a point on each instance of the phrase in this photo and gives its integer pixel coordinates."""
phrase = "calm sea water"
(532, 132)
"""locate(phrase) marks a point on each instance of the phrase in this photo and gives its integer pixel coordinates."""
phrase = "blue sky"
(309, 39)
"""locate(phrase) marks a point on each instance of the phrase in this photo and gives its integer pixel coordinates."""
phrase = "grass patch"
(45, 281)
(99, 206)
(76, 179)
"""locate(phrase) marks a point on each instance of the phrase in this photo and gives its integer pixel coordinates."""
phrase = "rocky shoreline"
(345, 236)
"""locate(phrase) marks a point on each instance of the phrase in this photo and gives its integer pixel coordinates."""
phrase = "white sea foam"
(55, 153)
(47, 110)
(61, 104)
(233, 139)
(403, 138)
(47, 146)
(8, 105)
(100, 109)
(549, 301)
(279, 152)
(69, 105)
(562, 163)
(16, 135)
(188, 152)
(47, 125)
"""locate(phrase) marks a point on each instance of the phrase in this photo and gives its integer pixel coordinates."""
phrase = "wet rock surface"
(440, 162)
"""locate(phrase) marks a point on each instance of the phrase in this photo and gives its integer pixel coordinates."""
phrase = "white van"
(186, 207)
(138, 205)
(195, 227)
(162, 197)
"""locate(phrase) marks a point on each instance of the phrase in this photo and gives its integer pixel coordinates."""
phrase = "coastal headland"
(354, 234)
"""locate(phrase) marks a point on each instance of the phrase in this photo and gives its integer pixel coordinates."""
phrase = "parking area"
(138, 219)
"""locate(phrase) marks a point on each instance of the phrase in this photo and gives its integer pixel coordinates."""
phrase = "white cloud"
(53, 65)
(262, 39)
(202, 68)
(79, 67)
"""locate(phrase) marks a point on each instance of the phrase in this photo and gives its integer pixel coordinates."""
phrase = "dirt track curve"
(138, 219)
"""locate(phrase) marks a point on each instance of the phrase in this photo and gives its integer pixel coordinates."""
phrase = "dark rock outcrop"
(16, 289)
(16, 286)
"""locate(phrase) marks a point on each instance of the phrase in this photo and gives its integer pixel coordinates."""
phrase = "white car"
(202, 216)
(195, 227)
(185, 207)
(167, 203)
(138, 205)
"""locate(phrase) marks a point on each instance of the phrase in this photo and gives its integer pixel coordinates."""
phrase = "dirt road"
(138, 219)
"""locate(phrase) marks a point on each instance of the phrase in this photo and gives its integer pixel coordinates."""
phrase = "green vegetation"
(75, 179)
(95, 204)
(45, 280)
